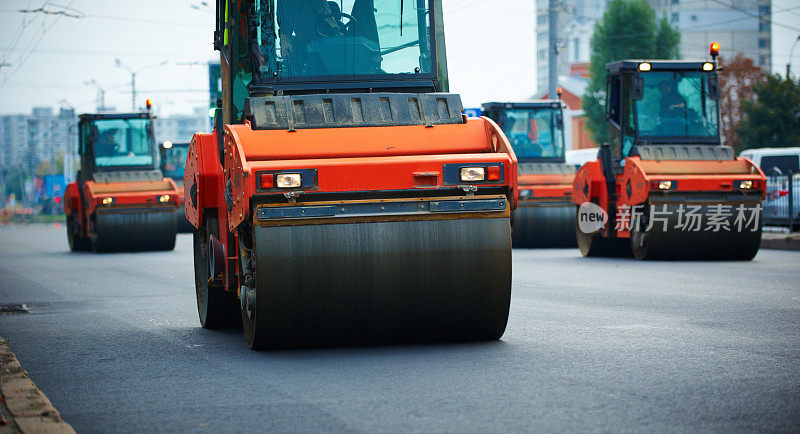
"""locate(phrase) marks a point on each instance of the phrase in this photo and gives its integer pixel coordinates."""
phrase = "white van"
(775, 161)
(778, 164)
(579, 157)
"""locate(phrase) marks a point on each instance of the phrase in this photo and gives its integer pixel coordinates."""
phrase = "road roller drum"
(544, 225)
(404, 281)
(128, 230)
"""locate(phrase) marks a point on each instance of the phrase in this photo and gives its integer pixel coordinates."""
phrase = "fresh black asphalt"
(592, 345)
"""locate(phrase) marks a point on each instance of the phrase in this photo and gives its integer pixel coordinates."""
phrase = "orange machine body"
(353, 162)
(639, 182)
(122, 195)
(545, 187)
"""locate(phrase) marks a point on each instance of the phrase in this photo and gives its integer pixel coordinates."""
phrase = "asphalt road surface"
(592, 344)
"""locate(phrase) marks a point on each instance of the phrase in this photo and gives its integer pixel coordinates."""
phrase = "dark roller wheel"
(216, 308)
(134, 230)
(673, 244)
(183, 225)
(543, 226)
(594, 245)
(77, 243)
(418, 281)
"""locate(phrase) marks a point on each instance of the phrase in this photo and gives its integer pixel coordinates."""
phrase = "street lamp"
(789, 62)
(119, 64)
(101, 94)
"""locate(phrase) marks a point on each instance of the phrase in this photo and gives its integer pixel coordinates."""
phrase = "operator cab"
(309, 47)
(658, 103)
(535, 129)
(173, 160)
(116, 142)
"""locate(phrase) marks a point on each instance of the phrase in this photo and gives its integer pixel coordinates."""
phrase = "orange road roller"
(664, 187)
(120, 201)
(545, 215)
(342, 197)
(173, 164)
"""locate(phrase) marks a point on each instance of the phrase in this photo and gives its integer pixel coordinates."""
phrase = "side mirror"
(560, 120)
(637, 88)
(713, 87)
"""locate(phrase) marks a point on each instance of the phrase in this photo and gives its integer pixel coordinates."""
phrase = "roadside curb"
(24, 408)
(789, 242)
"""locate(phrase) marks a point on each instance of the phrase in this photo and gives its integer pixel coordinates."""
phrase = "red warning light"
(493, 173)
(714, 49)
(267, 181)
(148, 104)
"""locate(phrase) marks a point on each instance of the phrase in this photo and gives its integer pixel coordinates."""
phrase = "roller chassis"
(545, 214)
(664, 186)
(135, 220)
(698, 183)
(124, 203)
(324, 227)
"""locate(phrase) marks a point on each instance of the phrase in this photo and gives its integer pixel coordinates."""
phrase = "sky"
(60, 61)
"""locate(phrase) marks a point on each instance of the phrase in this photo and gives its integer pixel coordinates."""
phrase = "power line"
(117, 53)
(24, 58)
(760, 17)
(111, 18)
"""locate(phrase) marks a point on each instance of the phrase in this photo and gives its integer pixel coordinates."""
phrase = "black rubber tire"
(77, 243)
(724, 245)
(387, 282)
(215, 308)
(543, 226)
(595, 245)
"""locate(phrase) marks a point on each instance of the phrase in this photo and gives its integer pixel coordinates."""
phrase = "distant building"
(13, 140)
(181, 128)
(576, 19)
(27, 140)
(740, 26)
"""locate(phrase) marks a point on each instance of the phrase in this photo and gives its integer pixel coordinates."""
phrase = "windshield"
(676, 104)
(300, 39)
(122, 143)
(174, 162)
(534, 133)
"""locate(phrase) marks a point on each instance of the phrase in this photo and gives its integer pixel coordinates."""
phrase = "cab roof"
(656, 65)
(542, 103)
(96, 116)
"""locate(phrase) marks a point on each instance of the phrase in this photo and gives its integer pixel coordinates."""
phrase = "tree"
(773, 118)
(736, 85)
(627, 30)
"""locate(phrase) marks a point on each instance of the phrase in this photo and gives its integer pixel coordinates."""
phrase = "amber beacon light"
(714, 50)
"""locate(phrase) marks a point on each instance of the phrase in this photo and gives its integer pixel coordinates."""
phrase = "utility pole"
(552, 60)
(101, 94)
(119, 64)
(789, 63)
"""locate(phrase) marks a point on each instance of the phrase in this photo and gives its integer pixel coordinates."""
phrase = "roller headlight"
(473, 174)
(664, 185)
(163, 198)
(107, 200)
(644, 67)
(745, 185)
(288, 180)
